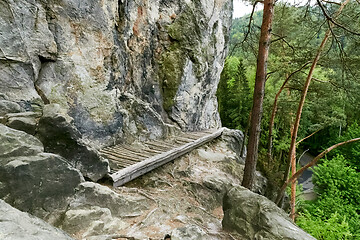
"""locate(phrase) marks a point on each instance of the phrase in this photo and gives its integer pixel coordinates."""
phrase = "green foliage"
(335, 214)
(334, 228)
(350, 151)
(234, 95)
(332, 100)
(335, 178)
(332, 105)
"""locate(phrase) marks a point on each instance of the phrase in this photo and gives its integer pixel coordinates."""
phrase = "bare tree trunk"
(293, 185)
(257, 109)
(313, 162)
(292, 150)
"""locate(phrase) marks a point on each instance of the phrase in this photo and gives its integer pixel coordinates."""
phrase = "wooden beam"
(152, 151)
(127, 174)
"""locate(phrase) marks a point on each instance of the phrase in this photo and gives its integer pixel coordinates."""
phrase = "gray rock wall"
(122, 70)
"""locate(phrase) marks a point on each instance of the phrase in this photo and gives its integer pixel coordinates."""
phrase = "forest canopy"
(331, 113)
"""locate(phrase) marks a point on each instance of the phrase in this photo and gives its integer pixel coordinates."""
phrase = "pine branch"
(329, 18)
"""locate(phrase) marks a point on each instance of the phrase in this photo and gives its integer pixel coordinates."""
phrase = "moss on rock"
(172, 67)
(186, 34)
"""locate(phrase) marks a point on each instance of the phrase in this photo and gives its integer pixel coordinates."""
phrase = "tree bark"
(292, 150)
(257, 109)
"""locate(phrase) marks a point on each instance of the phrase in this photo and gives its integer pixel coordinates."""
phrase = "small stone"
(26, 124)
(9, 107)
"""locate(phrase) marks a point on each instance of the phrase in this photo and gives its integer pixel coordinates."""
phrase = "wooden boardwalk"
(128, 162)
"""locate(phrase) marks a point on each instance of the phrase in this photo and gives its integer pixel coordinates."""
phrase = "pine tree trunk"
(292, 150)
(257, 109)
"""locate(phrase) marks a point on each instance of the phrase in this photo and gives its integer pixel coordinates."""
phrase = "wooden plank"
(171, 145)
(118, 161)
(127, 174)
(159, 146)
(156, 148)
(192, 137)
(121, 156)
(139, 152)
(152, 151)
(122, 162)
(130, 155)
(185, 139)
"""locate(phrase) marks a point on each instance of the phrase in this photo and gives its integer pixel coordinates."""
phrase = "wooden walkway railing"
(129, 162)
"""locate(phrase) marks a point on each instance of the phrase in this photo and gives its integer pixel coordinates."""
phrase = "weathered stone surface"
(16, 143)
(93, 194)
(167, 55)
(235, 141)
(26, 42)
(191, 232)
(9, 107)
(33, 181)
(96, 220)
(255, 217)
(97, 210)
(25, 121)
(61, 137)
(17, 225)
(200, 35)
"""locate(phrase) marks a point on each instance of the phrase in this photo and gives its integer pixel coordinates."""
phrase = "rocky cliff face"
(121, 70)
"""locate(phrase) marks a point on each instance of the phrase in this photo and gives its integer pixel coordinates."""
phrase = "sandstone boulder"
(256, 217)
(59, 136)
(191, 232)
(31, 180)
(17, 225)
(84, 57)
(96, 211)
